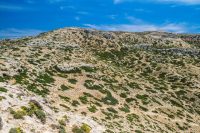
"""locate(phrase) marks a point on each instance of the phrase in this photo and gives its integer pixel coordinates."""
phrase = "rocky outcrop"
(175, 51)
(68, 67)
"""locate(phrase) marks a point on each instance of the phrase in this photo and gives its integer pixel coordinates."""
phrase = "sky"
(19, 18)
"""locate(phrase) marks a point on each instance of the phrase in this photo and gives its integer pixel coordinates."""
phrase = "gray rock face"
(67, 67)
(176, 51)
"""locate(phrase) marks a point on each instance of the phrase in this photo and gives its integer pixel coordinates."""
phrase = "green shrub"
(18, 114)
(129, 100)
(33, 88)
(88, 69)
(123, 95)
(110, 109)
(40, 115)
(92, 108)
(45, 79)
(2, 79)
(3, 89)
(76, 129)
(143, 108)
(62, 121)
(109, 99)
(175, 103)
(62, 129)
(138, 131)
(34, 108)
(75, 70)
(134, 85)
(16, 130)
(83, 129)
(21, 77)
(64, 88)
(125, 109)
(72, 81)
(89, 84)
(2, 97)
(83, 99)
(132, 117)
(67, 99)
(144, 98)
(86, 128)
(75, 103)
(106, 55)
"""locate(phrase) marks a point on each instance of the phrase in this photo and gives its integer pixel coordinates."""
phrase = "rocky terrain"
(76, 80)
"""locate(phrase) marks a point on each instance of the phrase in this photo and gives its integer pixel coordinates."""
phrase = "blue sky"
(30, 17)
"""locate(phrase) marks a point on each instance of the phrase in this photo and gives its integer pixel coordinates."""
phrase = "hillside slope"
(82, 80)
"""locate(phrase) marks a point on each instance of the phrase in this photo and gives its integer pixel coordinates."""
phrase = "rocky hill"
(76, 80)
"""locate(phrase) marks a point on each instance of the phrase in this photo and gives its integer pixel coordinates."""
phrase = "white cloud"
(139, 25)
(170, 27)
(16, 33)
(188, 2)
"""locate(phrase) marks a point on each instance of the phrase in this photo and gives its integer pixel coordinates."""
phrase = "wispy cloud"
(67, 7)
(188, 2)
(55, 1)
(134, 20)
(112, 16)
(77, 18)
(17, 33)
(11, 7)
(170, 27)
(30, 1)
(83, 13)
(142, 10)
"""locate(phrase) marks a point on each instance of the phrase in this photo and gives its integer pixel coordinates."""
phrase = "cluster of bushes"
(45, 79)
(92, 108)
(21, 77)
(83, 129)
(143, 98)
(34, 108)
(109, 99)
(33, 88)
(132, 117)
(89, 84)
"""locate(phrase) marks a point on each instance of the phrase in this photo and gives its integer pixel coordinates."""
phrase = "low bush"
(72, 81)
(16, 130)
(40, 115)
(2, 89)
(92, 108)
(83, 129)
(64, 88)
